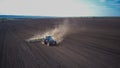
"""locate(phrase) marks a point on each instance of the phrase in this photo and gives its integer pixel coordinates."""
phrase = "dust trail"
(58, 33)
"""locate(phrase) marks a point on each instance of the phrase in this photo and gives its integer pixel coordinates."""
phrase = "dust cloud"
(58, 33)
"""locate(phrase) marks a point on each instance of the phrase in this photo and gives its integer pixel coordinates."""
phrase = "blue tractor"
(49, 41)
